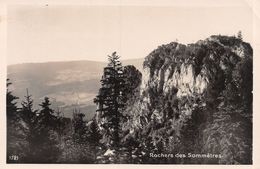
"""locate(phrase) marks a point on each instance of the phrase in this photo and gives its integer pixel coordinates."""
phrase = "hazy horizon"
(53, 33)
(60, 61)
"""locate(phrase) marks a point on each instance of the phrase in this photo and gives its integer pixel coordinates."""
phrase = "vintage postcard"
(130, 83)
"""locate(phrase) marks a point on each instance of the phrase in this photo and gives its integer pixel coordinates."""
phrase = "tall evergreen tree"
(29, 116)
(14, 127)
(47, 150)
(46, 116)
(27, 112)
(111, 100)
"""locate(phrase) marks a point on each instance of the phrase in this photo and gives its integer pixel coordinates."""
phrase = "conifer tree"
(47, 150)
(111, 100)
(27, 112)
(46, 116)
(14, 127)
(29, 116)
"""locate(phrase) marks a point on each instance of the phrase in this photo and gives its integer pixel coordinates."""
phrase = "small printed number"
(13, 157)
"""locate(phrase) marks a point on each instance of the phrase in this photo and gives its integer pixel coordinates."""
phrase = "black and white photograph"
(122, 83)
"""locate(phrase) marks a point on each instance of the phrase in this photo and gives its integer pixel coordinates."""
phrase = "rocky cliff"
(196, 98)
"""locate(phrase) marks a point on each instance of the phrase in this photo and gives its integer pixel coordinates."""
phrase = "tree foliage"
(15, 134)
(47, 149)
(29, 116)
(111, 99)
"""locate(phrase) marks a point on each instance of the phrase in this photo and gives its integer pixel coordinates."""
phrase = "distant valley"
(69, 85)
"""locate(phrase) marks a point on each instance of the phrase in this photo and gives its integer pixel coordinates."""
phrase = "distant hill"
(69, 85)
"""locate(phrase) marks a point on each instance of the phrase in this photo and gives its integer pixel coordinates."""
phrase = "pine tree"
(46, 116)
(47, 150)
(14, 128)
(111, 100)
(27, 112)
(29, 116)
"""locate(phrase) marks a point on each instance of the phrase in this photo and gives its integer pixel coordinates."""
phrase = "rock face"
(197, 98)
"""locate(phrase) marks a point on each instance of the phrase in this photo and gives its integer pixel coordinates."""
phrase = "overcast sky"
(42, 33)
